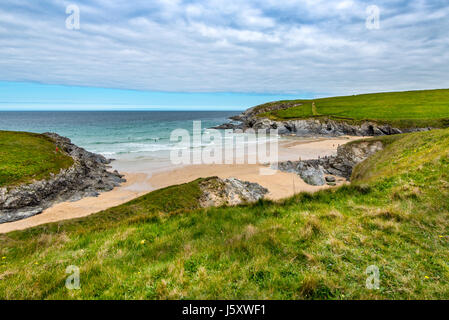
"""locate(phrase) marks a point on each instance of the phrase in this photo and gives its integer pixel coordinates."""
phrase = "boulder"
(218, 192)
(310, 174)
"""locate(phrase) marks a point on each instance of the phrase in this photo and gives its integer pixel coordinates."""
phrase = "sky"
(216, 54)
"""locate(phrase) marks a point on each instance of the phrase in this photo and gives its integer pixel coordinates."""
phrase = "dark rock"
(313, 175)
(330, 179)
(8, 216)
(229, 125)
(225, 126)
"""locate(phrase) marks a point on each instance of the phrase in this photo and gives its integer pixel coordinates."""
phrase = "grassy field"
(25, 157)
(402, 109)
(395, 215)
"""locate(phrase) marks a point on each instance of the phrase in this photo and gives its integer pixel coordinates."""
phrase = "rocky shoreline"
(87, 177)
(348, 156)
(310, 127)
(318, 127)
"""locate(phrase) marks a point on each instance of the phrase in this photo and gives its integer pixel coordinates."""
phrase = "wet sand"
(279, 184)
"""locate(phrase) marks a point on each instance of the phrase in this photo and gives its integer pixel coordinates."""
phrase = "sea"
(134, 138)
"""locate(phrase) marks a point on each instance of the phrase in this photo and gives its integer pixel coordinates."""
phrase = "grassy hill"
(402, 109)
(25, 157)
(395, 215)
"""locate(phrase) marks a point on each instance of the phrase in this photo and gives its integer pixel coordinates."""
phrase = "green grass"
(402, 109)
(395, 215)
(25, 157)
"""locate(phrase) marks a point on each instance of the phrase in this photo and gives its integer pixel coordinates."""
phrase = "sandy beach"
(144, 180)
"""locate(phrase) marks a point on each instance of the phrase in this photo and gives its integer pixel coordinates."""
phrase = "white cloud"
(345, 4)
(217, 45)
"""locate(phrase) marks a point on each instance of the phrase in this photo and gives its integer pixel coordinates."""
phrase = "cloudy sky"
(244, 50)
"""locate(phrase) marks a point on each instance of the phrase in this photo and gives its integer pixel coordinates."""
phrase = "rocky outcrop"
(218, 192)
(87, 177)
(348, 156)
(251, 113)
(313, 175)
(319, 127)
(230, 125)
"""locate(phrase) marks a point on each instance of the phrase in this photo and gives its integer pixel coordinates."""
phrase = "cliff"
(317, 127)
(87, 177)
